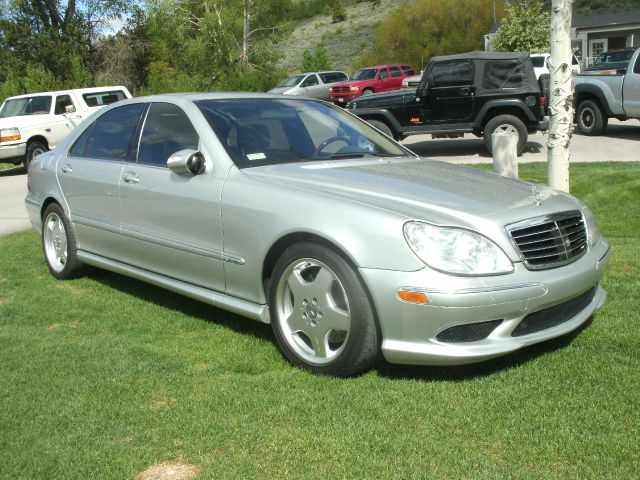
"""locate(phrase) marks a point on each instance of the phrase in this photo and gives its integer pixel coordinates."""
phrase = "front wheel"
(590, 119)
(383, 127)
(59, 244)
(506, 124)
(33, 150)
(320, 312)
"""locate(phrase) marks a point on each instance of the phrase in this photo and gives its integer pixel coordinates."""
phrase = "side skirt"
(245, 308)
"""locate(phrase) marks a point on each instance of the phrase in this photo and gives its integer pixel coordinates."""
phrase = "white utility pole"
(560, 95)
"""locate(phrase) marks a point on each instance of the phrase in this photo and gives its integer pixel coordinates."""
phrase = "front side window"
(310, 81)
(62, 102)
(111, 136)
(503, 74)
(166, 130)
(258, 132)
(291, 81)
(452, 74)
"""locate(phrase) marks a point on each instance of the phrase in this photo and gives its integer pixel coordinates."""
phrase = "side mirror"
(70, 109)
(187, 162)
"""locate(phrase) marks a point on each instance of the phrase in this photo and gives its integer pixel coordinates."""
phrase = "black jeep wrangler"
(475, 92)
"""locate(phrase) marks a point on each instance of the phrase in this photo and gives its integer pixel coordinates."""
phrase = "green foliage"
(316, 60)
(526, 27)
(337, 10)
(420, 29)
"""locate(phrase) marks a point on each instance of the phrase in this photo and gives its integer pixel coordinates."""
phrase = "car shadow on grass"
(12, 172)
(175, 301)
(479, 370)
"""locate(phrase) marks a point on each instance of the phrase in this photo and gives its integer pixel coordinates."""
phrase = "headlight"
(593, 231)
(455, 250)
(354, 88)
(9, 134)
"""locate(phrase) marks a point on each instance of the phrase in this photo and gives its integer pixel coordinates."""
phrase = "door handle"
(67, 169)
(131, 177)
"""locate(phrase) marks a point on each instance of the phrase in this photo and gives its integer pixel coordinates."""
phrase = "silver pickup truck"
(602, 95)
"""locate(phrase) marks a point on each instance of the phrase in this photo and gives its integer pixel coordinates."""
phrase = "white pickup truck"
(34, 123)
(604, 94)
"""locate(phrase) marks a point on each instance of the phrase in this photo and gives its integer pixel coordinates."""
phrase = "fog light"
(413, 297)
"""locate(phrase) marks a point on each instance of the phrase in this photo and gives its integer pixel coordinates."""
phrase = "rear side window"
(503, 74)
(407, 70)
(111, 135)
(333, 77)
(107, 97)
(384, 73)
(452, 74)
(166, 130)
(538, 62)
(395, 71)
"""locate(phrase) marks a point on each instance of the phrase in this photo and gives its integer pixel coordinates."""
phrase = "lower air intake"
(471, 332)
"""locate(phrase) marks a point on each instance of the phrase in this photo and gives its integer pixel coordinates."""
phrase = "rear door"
(384, 82)
(172, 223)
(89, 175)
(450, 93)
(396, 76)
(631, 89)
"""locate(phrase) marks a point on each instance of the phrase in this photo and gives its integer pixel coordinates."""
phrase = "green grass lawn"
(103, 376)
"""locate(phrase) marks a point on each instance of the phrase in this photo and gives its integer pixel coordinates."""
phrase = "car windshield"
(365, 74)
(613, 57)
(262, 131)
(292, 81)
(36, 105)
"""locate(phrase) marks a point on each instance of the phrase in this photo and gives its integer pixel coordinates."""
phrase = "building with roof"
(593, 34)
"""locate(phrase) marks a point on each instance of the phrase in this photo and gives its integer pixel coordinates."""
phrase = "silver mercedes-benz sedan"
(296, 213)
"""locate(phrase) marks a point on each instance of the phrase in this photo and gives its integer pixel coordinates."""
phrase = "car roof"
(481, 55)
(197, 96)
(78, 90)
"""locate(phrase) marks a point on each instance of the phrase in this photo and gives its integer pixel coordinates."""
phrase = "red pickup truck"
(379, 78)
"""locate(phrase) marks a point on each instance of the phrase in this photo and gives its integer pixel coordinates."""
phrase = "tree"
(338, 12)
(525, 28)
(420, 29)
(561, 97)
(316, 60)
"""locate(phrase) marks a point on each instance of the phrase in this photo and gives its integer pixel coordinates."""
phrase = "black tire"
(544, 81)
(367, 91)
(59, 244)
(321, 315)
(506, 123)
(590, 119)
(383, 127)
(33, 149)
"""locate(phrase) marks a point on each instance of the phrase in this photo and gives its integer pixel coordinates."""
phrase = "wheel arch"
(586, 91)
(380, 115)
(507, 107)
(38, 138)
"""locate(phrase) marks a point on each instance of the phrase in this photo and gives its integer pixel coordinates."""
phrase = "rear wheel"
(59, 244)
(33, 150)
(590, 119)
(320, 312)
(506, 124)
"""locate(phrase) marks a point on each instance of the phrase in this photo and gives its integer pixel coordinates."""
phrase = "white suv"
(540, 64)
(34, 123)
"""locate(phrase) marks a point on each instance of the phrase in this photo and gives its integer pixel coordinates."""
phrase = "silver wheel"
(506, 128)
(55, 242)
(312, 311)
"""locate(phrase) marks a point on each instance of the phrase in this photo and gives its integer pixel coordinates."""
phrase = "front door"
(172, 222)
(450, 94)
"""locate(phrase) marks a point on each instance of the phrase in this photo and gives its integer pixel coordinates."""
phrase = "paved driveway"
(619, 144)
(13, 188)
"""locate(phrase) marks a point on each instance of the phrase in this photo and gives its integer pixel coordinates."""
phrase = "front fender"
(506, 103)
(380, 114)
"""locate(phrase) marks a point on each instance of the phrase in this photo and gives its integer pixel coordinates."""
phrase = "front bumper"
(409, 330)
(10, 152)
(344, 98)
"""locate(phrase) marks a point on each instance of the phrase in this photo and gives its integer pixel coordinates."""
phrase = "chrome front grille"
(550, 241)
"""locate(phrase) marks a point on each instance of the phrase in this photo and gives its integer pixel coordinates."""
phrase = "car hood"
(23, 121)
(386, 99)
(281, 89)
(421, 189)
